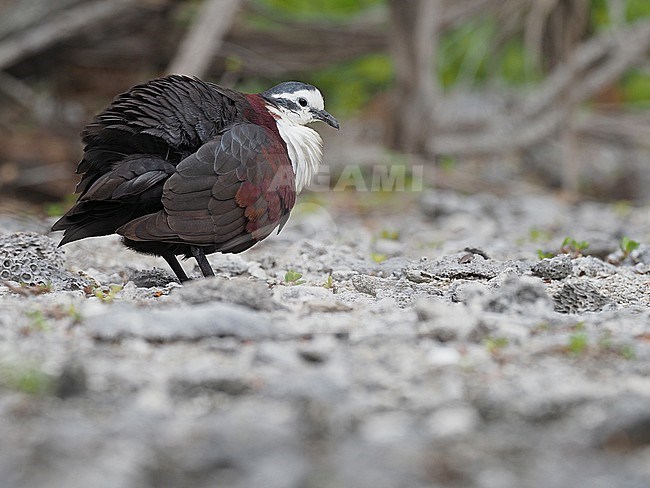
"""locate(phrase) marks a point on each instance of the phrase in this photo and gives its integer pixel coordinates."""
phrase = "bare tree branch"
(24, 95)
(300, 48)
(596, 64)
(503, 138)
(414, 44)
(615, 52)
(64, 25)
(19, 15)
(204, 37)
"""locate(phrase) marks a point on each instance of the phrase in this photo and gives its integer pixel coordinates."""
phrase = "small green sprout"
(495, 344)
(622, 208)
(107, 295)
(292, 277)
(74, 314)
(33, 381)
(627, 352)
(573, 247)
(55, 209)
(627, 245)
(39, 288)
(578, 343)
(536, 234)
(377, 257)
(605, 343)
(391, 235)
(38, 320)
(544, 255)
(329, 284)
(28, 380)
(59, 208)
(446, 163)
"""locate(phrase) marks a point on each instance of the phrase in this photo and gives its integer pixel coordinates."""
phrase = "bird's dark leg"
(199, 255)
(176, 267)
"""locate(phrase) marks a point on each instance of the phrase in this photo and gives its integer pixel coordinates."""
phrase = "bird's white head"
(293, 105)
(299, 103)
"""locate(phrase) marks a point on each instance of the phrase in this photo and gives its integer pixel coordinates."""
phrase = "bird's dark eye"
(302, 102)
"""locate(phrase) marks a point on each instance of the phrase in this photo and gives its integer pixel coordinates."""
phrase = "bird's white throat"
(305, 148)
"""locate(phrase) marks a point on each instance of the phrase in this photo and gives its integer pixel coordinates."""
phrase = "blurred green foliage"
(468, 56)
(362, 78)
(601, 14)
(636, 10)
(635, 87)
(473, 54)
(318, 10)
(25, 379)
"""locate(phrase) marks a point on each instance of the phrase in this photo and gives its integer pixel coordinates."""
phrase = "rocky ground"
(381, 340)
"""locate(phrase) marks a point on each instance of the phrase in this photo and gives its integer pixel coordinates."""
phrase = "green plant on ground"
(74, 314)
(39, 288)
(578, 343)
(38, 320)
(495, 344)
(25, 379)
(391, 235)
(627, 245)
(573, 247)
(606, 344)
(107, 295)
(292, 277)
(535, 234)
(627, 352)
(329, 284)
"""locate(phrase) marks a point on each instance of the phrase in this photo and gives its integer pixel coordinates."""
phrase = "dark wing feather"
(169, 117)
(234, 191)
(130, 180)
(132, 189)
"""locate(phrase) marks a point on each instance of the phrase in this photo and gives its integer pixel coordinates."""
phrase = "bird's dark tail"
(93, 219)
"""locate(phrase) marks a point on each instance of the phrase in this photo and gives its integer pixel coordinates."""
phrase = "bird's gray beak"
(326, 117)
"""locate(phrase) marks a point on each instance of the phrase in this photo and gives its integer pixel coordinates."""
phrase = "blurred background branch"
(47, 23)
(552, 92)
(204, 37)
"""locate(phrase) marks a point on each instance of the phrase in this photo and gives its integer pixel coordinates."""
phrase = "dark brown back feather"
(170, 117)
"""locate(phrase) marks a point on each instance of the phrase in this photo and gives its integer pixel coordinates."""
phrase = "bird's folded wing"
(129, 180)
(127, 191)
(234, 191)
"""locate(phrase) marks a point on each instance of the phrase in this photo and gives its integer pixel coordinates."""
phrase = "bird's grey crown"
(288, 87)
